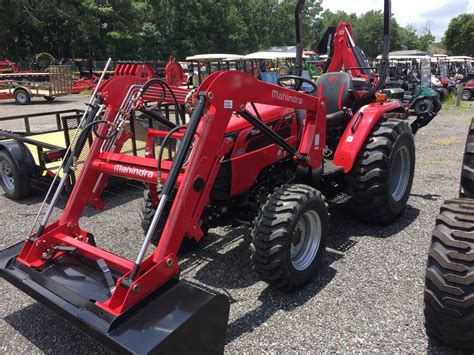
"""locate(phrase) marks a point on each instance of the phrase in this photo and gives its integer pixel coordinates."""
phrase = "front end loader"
(272, 157)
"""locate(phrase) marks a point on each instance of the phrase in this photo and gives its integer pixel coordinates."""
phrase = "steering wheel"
(299, 81)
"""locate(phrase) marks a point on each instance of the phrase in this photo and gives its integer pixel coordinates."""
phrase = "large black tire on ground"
(147, 212)
(15, 183)
(424, 106)
(289, 236)
(22, 97)
(449, 282)
(379, 193)
(467, 173)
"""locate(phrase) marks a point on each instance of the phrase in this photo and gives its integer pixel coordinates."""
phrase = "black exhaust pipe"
(384, 62)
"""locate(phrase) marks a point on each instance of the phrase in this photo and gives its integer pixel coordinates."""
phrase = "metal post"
(459, 94)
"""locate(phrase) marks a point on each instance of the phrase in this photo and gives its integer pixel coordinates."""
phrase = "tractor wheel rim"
(400, 173)
(465, 95)
(7, 176)
(306, 240)
(21, 97)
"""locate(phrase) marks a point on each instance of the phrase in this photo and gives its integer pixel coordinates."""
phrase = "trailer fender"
(21, 156)
(26, 88)
(359, 128)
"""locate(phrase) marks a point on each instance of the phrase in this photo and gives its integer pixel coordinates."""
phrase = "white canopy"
(213, 57)
(405, 57)
(272, 55)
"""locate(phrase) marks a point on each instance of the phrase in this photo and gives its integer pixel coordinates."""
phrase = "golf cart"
(412, 73)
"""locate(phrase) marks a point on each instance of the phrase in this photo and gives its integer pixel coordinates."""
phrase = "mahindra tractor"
(273, 157)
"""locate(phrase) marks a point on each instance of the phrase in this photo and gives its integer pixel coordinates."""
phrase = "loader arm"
(66, 247)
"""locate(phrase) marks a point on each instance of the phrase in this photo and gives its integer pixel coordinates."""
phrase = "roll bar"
(299, 41)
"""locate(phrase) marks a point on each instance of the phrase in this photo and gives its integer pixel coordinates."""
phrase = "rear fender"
(21, 156)
(358, 130)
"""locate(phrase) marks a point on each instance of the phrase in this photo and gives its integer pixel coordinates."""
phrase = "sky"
(437, 13)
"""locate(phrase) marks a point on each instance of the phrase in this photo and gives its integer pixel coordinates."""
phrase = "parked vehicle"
(468, 90)
(419, 94)
(24, 86)
(251, 153)
(449, 283)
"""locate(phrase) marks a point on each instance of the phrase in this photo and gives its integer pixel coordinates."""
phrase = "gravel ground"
(39, 105)
(369, 297)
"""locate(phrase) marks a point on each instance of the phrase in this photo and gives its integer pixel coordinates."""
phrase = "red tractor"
(269, 156)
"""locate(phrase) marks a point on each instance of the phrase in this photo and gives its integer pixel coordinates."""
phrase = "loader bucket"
(176, 318)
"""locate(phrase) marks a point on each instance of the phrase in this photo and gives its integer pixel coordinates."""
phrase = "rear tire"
(466, 95)
(15, 184)
(449, 281)
(467, 172)
(380, 181)
(147, 212)
(437, 104)
(22, 97)
(289, 237)
(424, 106)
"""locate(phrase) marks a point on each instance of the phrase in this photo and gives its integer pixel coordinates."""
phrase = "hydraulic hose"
(162, 148)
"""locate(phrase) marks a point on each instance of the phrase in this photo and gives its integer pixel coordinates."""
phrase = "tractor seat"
(337, 88)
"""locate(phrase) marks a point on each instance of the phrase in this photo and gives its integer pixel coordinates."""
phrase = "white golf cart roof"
(459, 58)
(405, 57)
(214, 57)
(272, 55)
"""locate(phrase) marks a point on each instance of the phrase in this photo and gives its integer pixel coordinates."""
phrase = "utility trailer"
(31, 152)
(24, 86)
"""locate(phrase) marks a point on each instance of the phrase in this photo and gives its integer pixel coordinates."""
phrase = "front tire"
(289, 237)
(449, 281)
(16, 184)
(380, 181)
(147, 212)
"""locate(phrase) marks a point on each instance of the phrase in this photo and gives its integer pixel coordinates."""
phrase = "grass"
(86, 92)
(444, 141)
(450, 104)
(429, 162)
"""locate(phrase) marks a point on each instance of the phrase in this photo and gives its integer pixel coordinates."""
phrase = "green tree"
(458, 38)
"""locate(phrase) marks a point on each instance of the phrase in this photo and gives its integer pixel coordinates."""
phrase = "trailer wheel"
(49, 98)
(466, 95)
(380, 181)
(289, 237)
(15, 184)
(147, 211)
(449, 283)
(424, 106)
(467, 172)
(22, 97)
